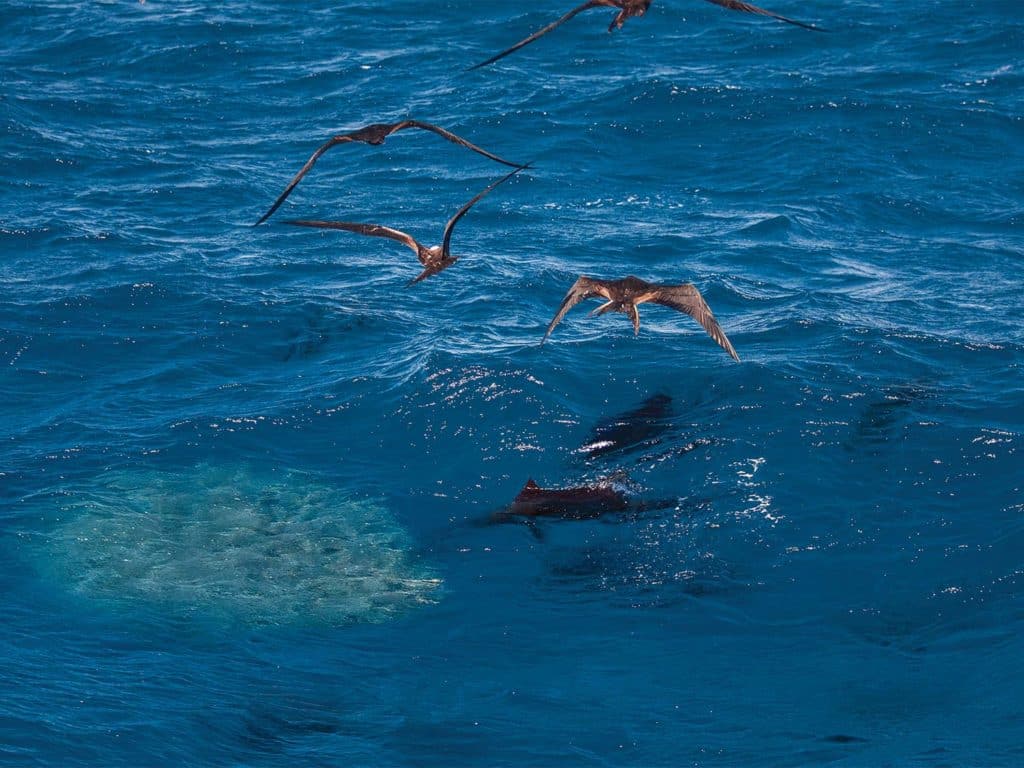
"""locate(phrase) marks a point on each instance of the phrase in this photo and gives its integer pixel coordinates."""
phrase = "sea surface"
(248, 476)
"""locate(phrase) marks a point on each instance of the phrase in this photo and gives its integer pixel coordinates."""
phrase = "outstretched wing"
(737, 5)
(464, 209)
(374, 230)
(333, 141)
(455, 139)
(541, 32)
(686, 298)
(584, 288)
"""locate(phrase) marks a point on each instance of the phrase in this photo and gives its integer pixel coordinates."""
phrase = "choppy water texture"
(840, 579)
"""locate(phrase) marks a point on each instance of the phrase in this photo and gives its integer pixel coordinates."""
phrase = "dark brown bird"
(624, 295)
(375, 135)
(433, 259)
(628, 9)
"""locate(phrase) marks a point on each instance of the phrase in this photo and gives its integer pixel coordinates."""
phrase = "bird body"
(433, 258)
(633, 9)
(627, 9)
(625, 294)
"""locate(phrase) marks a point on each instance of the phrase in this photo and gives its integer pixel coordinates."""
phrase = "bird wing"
(541, 32)
(331, 142)
(464, 209)
(584, 288)
(374, 230)
(455, 139)
(686, 298)
(737, 5)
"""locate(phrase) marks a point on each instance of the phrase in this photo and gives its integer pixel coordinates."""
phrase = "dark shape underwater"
(884, 419)
(642, 426)
(580, 503)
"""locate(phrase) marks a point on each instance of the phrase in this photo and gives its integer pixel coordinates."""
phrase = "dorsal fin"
(531, 485)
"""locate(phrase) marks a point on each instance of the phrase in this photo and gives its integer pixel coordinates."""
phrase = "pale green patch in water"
(268, 549)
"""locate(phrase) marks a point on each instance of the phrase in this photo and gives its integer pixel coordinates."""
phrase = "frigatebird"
(628, 9)
(375, 135)
(433, 259)
(624, 295)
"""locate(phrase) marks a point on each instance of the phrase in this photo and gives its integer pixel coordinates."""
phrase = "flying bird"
(628, 9)
(433, 259)
(624, 295)
(375, 135)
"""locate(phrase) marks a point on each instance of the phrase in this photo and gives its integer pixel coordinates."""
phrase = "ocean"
(249, 476)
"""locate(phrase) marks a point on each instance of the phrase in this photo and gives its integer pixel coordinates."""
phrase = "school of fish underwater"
(617, 384)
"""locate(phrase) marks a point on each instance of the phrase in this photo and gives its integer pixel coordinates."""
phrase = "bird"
(629, 9)
(375, 135)
(433, 259)
(624, 295)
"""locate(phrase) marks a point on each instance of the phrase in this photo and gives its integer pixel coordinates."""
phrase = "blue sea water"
(245, 472)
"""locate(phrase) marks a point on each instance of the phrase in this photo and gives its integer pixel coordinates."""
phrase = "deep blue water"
(244, 471)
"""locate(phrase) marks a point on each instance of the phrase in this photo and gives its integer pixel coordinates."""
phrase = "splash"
(277, 549)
